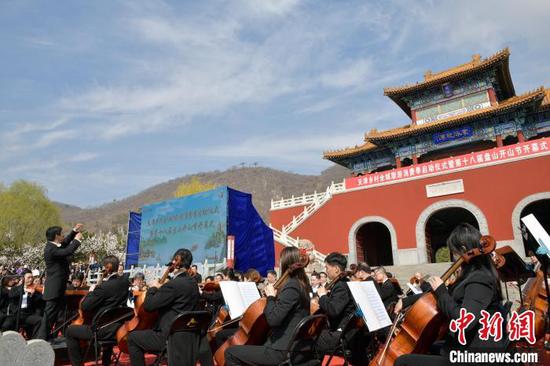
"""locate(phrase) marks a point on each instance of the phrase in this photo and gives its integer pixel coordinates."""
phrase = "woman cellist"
(284, 310)
(477, 288)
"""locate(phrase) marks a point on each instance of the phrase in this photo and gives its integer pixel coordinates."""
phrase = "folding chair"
(304, 338)
(342, 348)
(189, 321)
(105, 319)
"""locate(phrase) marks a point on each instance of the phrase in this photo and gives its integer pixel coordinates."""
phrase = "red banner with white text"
(449, 165)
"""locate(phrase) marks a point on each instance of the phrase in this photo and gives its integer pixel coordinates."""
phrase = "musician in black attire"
(57, 255)
(284, 310)
(477, 288)
(386, 289)
(178, 295)
(337, 304)
(110, 293)
(4, 301)
(26, 307)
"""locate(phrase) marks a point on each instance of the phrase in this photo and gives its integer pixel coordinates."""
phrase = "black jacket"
(284, 312)
(35, 305)
(109, 294)
(478, 291)
(178, 295)
(338, 304)
(58, 266)
(4, 299)
(388, 293)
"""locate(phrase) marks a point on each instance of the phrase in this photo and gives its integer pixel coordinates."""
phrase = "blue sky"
(101, 99)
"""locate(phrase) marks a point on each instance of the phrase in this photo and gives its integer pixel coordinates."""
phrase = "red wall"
(495, 190)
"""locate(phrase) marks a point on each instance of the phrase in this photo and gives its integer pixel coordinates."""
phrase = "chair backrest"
(306, 333)
(191, 321)
(110, 316)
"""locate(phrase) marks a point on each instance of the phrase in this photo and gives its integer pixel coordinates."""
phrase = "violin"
(210, 286)
(142, 319)
(253, 327)
(422, 324)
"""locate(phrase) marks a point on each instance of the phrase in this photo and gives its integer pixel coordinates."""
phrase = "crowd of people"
(32, 301)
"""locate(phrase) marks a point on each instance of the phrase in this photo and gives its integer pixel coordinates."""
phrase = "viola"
(141, 320)
(422, 324)
(253, 327)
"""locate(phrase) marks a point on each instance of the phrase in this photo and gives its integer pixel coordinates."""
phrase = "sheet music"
(238, 296)
(367, 298)
(249, 293)
(414, 289)
(538, 232)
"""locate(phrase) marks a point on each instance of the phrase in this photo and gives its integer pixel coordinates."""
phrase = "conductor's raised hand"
(79, 236)
(78, 228)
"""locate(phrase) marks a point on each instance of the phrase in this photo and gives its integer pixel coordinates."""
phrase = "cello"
(535, 298)
(253, 327)
(142, 319)
(423, 322)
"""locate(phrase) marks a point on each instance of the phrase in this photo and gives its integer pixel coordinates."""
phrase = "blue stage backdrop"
(201, 223)
(132, 248)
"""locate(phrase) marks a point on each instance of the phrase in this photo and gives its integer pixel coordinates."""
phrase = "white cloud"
(349, 75)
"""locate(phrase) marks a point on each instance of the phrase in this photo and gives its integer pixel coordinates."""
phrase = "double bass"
(422, 324)
(141, 320)
(253, 327)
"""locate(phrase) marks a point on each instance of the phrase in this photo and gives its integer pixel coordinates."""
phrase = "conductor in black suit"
(112, 292)
(57, 255)
(178, 295)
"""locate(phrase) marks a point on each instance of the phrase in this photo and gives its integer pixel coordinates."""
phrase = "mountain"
(263, 183)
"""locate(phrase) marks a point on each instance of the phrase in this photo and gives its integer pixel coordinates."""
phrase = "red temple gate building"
(472, 151)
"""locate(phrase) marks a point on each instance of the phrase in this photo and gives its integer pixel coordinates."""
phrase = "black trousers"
(328, 341)
(183, 347)
(3, 318)
(253, 355)
(29, 322)
(75, 333)
(51, 311)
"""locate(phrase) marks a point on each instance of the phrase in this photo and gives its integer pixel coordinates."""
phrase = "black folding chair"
(105, 319)
(303, 340)
(342, 348)
(189, 321)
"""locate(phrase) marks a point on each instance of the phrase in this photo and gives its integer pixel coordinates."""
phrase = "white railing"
(305, 199)
(289, 241)
(156, 272)
(318, 201)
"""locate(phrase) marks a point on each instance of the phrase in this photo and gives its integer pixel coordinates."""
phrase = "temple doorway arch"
(438, 228)
(373, 239)
(423, 233)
